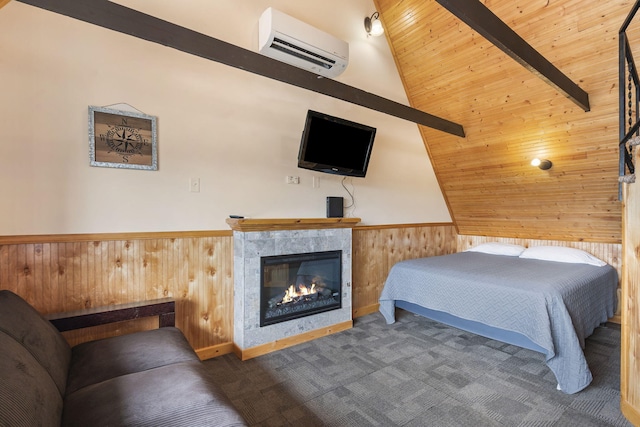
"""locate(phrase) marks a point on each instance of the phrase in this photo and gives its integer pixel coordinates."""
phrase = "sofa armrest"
(164, 308)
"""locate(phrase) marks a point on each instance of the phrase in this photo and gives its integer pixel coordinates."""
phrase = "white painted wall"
(236, 131)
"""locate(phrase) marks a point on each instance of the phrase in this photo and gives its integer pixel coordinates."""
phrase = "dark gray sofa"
(151, 378)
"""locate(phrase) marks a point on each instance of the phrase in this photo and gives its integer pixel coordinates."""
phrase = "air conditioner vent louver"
(301, 53)
(289, 40)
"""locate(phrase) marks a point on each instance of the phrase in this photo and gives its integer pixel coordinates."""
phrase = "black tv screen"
(334, 145)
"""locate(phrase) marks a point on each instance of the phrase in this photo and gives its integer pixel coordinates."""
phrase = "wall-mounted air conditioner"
(289, 40)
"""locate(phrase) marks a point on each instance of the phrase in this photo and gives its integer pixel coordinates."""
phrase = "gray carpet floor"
(418, 372)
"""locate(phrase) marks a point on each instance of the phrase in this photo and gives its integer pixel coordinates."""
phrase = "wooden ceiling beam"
(476, 15)
(132, 22)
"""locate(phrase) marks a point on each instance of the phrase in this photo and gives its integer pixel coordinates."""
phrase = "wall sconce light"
(542, 164)
(373, 26)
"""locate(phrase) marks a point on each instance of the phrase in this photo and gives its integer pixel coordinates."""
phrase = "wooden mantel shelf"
(267, 224)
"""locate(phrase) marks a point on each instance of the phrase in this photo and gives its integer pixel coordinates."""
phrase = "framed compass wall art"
(122, 139)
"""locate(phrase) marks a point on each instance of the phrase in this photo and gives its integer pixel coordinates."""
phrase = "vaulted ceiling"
(510, 115)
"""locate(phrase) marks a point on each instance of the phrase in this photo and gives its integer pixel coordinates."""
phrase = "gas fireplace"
(298, 285)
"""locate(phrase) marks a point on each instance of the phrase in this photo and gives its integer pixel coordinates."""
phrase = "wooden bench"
(164, 308)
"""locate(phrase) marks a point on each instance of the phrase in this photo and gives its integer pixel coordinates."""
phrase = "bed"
(549, 299)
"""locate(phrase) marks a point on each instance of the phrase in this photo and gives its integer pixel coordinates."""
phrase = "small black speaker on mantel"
(335, 207)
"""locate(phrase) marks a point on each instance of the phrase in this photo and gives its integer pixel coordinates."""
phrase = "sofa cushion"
(28, 394)
(182, 394)
(96, 361)
(22, 322)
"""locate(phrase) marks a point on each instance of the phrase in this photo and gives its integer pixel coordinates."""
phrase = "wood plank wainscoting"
(70, 272)
(377, 248)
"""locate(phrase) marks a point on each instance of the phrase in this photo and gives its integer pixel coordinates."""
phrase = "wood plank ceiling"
(510, 115)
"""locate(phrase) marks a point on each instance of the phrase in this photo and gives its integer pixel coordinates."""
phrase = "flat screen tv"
(334, 145)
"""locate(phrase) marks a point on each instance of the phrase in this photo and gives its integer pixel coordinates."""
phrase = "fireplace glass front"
(298, 285)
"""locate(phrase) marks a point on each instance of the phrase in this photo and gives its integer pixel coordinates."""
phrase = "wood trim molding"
(363, 311)
(260, 350)
(630, 412)
(246, 225)
(215, 351)
(242, 225)
(72, 238)
(122, 19)
(3, 3)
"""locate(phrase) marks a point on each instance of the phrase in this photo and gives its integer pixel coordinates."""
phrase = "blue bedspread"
(556, 305)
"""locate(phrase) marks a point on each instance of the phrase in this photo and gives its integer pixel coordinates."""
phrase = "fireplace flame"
(302, 290)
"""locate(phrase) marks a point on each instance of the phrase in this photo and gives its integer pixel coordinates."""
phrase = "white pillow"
(561, 254)
(497, 248)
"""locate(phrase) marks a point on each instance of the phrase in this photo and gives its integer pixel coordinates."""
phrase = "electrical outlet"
(292, 179)
(194, 185)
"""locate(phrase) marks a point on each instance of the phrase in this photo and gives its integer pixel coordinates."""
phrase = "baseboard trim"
(215, 351)
(283, 343)
(368, 309)
(630, 412)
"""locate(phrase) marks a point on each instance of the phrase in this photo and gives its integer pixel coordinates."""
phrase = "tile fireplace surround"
(255, 238)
